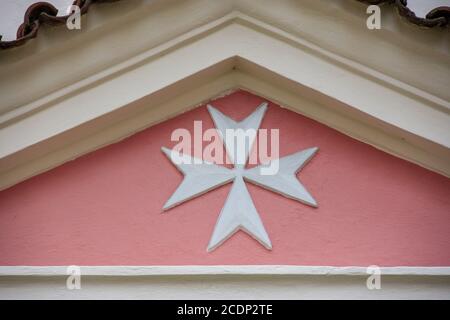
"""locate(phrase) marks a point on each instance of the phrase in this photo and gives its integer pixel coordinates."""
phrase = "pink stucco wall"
(105, 208)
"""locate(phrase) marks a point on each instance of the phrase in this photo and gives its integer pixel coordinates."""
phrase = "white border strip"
(126, 271)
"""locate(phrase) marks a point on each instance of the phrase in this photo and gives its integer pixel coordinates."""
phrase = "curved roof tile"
(45, 13)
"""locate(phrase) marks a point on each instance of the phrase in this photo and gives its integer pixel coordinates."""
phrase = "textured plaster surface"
(105, 208)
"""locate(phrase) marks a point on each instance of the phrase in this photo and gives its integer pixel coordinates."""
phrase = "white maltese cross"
(239, 212)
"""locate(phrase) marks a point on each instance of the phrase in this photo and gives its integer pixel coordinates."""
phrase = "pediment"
(109, 207)
(86, 120)
(231, 51)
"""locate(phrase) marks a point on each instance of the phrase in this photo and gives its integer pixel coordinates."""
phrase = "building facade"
(355, 120)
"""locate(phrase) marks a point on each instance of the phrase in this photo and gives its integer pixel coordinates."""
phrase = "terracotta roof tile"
(438, 17)
(45, 13)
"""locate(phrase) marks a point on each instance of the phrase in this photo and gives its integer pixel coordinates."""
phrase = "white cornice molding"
(112, 34)
(220, 270)
(88, 113)
(223, 282)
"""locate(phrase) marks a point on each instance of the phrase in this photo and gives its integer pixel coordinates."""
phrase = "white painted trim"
(220, 270)
(224, 282)
(401, 47)
(392, 109)
(234, 17)
(87, 139)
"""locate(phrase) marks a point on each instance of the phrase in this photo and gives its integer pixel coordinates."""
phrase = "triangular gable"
(105, 208)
